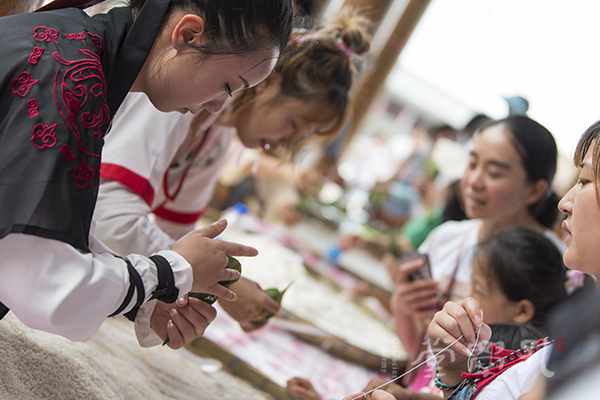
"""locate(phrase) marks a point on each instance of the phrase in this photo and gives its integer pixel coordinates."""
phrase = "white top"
(453, 243)
(52, 286)
(518, 379)
(144, 202)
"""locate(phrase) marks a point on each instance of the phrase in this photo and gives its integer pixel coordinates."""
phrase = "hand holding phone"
(424, 272)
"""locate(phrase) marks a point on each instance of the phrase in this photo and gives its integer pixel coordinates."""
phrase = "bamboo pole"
(375, 79)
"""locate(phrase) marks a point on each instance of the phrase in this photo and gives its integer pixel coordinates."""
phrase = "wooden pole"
(375, 79)
(8, 7)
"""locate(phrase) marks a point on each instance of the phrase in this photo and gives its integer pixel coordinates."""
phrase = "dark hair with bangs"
(236, 27)
(525, 265)
(586, 142)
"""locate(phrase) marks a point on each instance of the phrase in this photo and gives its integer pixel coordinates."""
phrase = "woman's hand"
(184, 320)
(463, 318)
(302, 389)
(348, 242)
(253, 303)
(208, 258)
(411, 298)
(376, 395)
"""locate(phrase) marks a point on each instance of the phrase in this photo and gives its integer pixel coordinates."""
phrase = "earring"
(259, 89)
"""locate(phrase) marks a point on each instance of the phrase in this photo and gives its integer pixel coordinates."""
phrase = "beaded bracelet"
(441, 385)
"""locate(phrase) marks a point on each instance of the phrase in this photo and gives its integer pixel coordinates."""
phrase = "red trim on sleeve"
(130, 179)
(180, 218)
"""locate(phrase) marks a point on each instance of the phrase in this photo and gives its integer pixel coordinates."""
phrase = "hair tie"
(575, 280)
(301, 35)
(345, 48)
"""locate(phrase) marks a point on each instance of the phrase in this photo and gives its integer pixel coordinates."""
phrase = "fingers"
(189, 323)
(229, 274)
(237, 249)
(408, 267)
(221, 292)
(213, 230)
(175, 337)
(302, 388)
(182, 301)
(204, 310)
(357, 396)
(268, 304)
(300, 382)
(456, 319)
(250, 326)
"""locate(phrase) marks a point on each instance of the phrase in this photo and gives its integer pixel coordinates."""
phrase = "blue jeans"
(465, 392)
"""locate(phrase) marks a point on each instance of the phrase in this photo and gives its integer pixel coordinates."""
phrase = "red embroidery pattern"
(44, 136)
(71, 94)
(96, 40)
(33, 108)
(83, 174)
(44, 34)
(24, 82)
(35, 55)
(74, 36)
(64, 149)
(93, 121)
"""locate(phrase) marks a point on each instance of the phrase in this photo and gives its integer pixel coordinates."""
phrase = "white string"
(408, 372)
(475, 346)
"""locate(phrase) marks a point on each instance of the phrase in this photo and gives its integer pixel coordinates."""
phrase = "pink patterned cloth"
(280, 356)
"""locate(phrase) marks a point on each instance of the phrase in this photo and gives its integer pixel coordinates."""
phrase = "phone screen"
(422, 273)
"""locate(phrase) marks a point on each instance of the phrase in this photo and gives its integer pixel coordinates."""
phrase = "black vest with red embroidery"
(56, 72)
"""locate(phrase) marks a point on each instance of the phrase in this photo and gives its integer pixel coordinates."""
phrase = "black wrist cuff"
(3, 310)
(165, 290)
(135, 282)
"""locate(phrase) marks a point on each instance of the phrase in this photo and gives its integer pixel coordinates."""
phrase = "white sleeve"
(52, 286)
(121, 221)
(518, 379)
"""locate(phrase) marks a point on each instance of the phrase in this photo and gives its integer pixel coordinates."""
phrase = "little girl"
(518, 277)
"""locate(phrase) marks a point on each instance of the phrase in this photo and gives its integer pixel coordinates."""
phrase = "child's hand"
(184, 320)
(456, 319)
(411, 298)
(208, 258)
(302, 389)
(253, 303)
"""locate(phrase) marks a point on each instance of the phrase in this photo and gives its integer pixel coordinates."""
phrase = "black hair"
(454, 209)
(510, 336)
(537, 148)
(575, 327)
(525, 265)
(238, 26)
(589, 141)
(444, 130)
(475, 123)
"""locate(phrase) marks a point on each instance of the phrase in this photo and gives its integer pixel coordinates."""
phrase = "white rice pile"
(111, 365)
(314, 301)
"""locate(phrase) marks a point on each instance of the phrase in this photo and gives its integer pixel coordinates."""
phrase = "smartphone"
(422, 273)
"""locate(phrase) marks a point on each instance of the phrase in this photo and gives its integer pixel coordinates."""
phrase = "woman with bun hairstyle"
(151, 195)
(63, 75)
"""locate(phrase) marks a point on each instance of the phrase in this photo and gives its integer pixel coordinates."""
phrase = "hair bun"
(352, 29)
